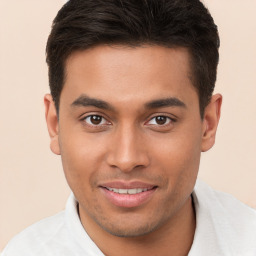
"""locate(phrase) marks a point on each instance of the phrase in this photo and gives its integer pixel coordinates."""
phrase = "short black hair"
(83, 24)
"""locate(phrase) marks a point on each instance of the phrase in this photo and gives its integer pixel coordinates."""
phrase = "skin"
(130, 144)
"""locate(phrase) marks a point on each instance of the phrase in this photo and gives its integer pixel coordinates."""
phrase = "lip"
(128, 200)
(127, 185)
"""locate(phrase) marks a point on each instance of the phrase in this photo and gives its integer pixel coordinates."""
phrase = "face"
(130, 135)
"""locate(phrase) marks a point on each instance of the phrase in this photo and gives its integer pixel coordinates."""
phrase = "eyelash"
(90, 116)
(171, 120)
(100, 126)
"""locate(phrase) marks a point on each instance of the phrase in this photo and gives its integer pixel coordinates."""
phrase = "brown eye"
(161, 120)
(95, 119)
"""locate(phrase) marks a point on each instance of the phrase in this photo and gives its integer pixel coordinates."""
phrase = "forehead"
(121, 73)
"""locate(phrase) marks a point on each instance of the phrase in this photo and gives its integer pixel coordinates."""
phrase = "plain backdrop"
(32, 185)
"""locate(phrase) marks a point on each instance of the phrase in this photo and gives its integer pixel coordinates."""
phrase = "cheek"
(179, 155)
(81, 159)
(179, 162)
(178, 151)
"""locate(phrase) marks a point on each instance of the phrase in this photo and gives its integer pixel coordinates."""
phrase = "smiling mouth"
(128, 197)
(132, 191)
(128, 194)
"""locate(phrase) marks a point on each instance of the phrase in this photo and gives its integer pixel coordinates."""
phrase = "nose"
(127, 150)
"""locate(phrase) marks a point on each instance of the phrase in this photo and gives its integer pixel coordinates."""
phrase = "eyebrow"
(86, 101)
(166, 102)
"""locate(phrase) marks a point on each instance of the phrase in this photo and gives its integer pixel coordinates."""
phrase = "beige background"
(32, 185)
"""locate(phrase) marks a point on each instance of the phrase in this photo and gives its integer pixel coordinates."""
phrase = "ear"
(210, 122)
(52, 123)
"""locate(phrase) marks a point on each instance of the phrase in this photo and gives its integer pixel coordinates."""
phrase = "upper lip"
(127, 185)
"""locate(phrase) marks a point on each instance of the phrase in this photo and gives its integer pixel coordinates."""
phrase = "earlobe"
(210, 122)
(52, 123)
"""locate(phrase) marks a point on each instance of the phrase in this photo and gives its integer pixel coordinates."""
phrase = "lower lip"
(128, 200)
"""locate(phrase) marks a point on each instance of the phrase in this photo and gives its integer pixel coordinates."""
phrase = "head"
(131, 107)
(81, 25)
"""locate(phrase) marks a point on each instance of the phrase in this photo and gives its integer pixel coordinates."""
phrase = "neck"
(173, 238)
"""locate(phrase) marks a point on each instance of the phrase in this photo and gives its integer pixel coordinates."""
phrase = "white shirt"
(224, 227)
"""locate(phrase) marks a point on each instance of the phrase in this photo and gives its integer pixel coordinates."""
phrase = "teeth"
(132, 191)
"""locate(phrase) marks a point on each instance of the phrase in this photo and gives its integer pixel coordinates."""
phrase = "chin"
(130, 230)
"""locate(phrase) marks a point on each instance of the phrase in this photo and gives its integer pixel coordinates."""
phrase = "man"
(130, 111)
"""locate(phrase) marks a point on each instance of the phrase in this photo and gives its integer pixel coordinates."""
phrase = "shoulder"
(62, 234)
(223, 203)
(228, 224)
(35, 239)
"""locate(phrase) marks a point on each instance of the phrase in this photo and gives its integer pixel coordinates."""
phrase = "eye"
(95, 120)
(160, 120)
